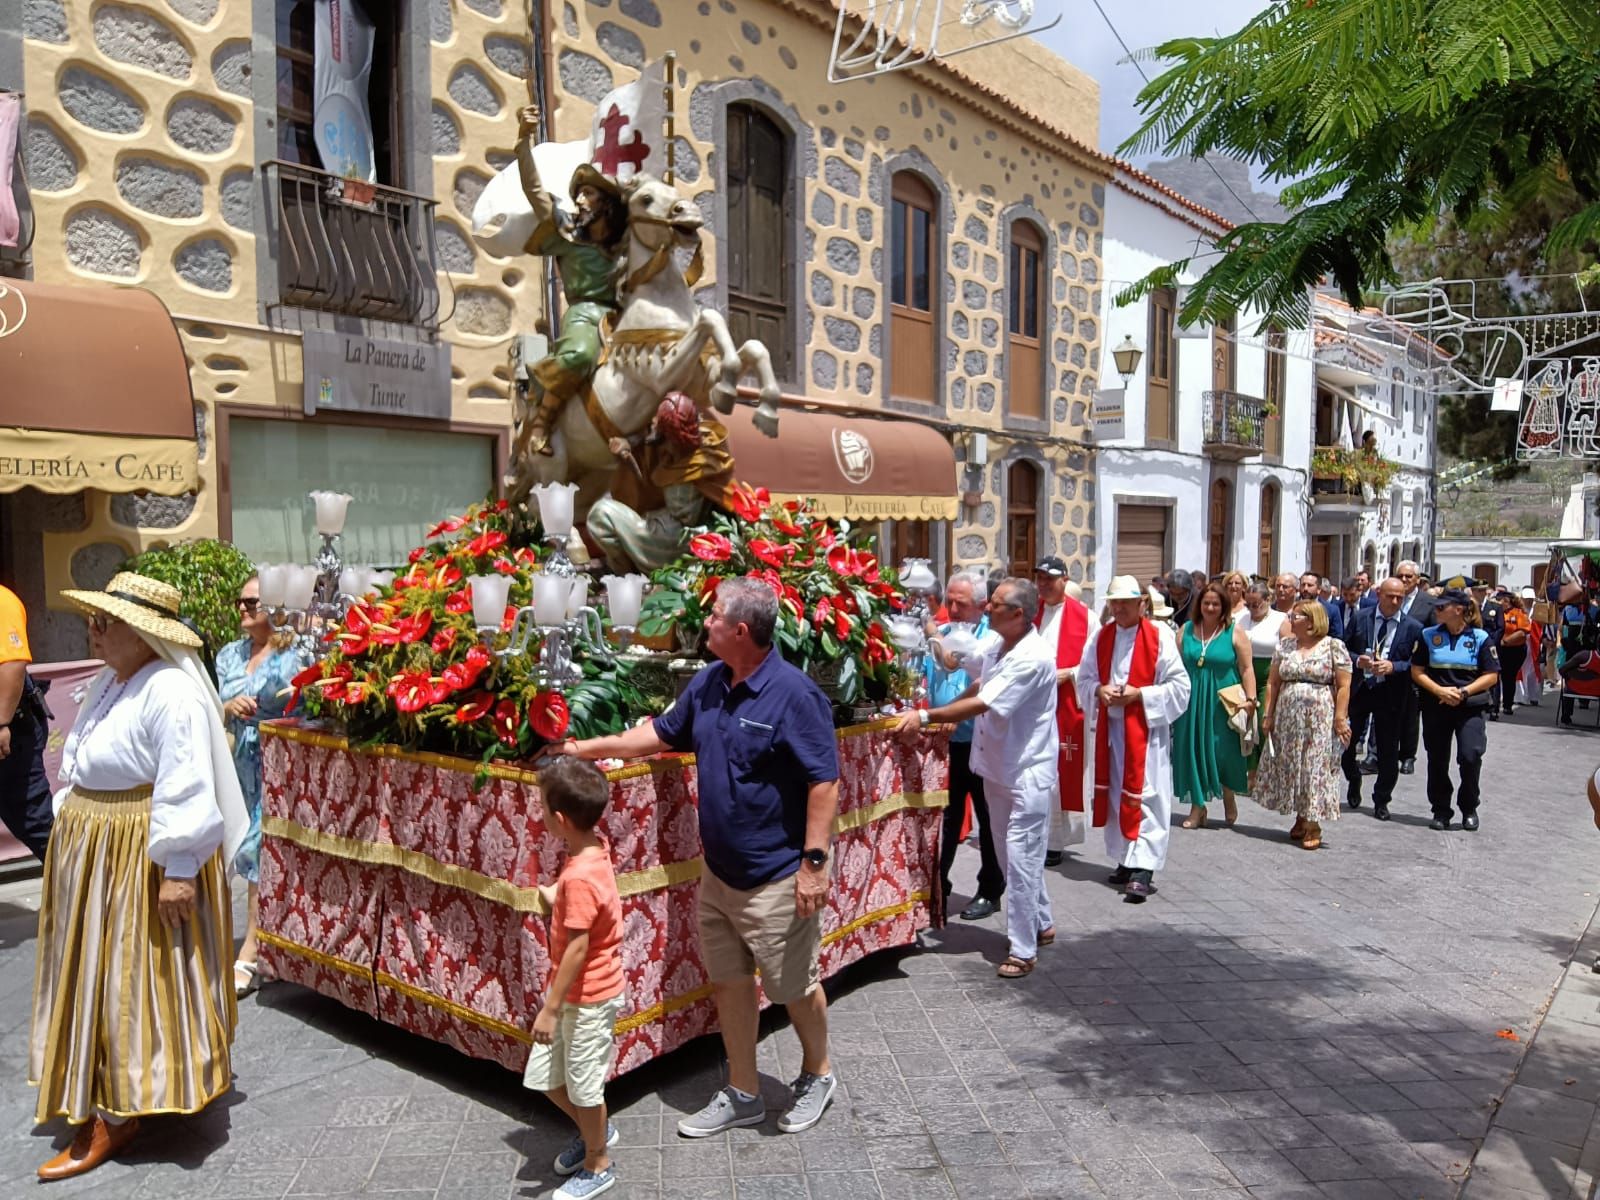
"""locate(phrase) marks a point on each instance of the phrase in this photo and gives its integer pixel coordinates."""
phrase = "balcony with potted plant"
(1344, 479)
(1235, 425)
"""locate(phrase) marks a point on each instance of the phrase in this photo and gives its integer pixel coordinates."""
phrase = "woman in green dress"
(1207, 762)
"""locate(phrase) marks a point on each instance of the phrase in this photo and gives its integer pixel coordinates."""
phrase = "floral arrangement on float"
(836, 601)
(415, 664)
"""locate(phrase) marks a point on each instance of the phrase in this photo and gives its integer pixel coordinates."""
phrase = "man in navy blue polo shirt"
(767, 760)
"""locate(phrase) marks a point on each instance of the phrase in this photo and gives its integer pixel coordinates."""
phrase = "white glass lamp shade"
(302, 584)
(550, 596)
(331, 509)
(555, 507)
(489, 595)
(578, 597)
(351, 580)
(273, 578)
(916, 575)
(624, 597)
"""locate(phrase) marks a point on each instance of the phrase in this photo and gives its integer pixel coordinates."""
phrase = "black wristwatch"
(815, 858)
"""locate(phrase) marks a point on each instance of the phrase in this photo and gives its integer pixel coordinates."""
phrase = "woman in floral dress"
(253, 677)
(1307, 714)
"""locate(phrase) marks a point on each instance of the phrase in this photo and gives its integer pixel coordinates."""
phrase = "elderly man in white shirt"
(1134, 681)
(1014, 751)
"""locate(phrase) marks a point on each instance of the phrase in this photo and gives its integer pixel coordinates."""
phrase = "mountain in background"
(1196, 179)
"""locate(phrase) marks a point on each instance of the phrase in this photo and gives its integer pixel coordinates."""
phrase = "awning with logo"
(94, 392)
(860, 468)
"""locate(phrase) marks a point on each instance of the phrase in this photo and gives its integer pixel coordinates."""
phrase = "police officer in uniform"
(1454, 665)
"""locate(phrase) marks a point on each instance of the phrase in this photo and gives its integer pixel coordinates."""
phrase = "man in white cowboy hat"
(133, 1003)
(1135, 681)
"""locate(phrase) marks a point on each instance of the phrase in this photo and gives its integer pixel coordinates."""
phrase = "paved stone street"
(1274, 1024)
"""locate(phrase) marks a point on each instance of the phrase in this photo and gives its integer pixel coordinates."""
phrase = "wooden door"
(1322, 555)
(1267, 547)
(759, 253)
(1161, 373)
(1024, 345)
(1221, 510)
(1022, 519)
(913, 344)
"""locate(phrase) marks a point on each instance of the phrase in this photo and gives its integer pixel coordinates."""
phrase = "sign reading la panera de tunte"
(62, 463)
(350, 372)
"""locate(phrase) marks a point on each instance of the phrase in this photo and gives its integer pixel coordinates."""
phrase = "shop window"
(1026, 325)
(1276, 388)
(1267, 547)
(349, 246)
(403, 481)
(912, 335)
(759, 242)
(913, 539)
(1022, 519)
(1221, 518)
(1162, 370)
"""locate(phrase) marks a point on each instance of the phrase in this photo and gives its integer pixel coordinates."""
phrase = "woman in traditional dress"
(1207, 761)
(1265, 626)
(1307, 715)
(133, 1007)
(253, 677)
(1530, 679)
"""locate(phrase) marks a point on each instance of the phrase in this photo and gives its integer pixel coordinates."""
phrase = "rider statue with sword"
(586, 250)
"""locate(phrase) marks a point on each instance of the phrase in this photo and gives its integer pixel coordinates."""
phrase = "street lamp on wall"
(1126, 355)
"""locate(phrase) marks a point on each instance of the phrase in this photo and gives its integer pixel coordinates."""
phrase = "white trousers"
(1020, 819)
(1147, 852)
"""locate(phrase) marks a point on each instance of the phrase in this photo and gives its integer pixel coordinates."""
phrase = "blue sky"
(1083, 39)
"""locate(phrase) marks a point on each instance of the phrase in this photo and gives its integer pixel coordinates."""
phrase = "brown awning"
(94, 391)
(856, 467)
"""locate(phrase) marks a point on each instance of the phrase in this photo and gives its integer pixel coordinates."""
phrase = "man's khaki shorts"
(579, 1055)
(743, 931)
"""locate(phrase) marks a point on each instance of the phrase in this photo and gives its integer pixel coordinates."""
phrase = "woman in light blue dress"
(253, 677)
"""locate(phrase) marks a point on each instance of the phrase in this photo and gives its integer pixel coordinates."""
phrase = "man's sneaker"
(811, 1096)
(587, 1183)
(724, 1112)
(570, 1159)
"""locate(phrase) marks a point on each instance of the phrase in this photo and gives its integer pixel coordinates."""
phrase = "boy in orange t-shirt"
(573, 1036)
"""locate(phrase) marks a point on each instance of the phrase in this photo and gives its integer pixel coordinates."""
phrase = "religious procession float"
(403, 835)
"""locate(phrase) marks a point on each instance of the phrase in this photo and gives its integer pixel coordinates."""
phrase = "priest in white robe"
(1133, 679)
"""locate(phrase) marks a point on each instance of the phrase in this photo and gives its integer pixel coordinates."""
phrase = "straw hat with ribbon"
(149, 605)
(1124, 587)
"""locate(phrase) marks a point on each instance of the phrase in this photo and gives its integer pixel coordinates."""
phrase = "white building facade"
(1372, 376)
(1209, 467)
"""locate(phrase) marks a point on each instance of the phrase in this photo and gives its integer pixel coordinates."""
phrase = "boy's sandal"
(1015, 968)
(1047, 937)
(244, 978)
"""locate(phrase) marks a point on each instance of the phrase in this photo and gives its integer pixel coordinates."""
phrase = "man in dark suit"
(1310, 585)
(1493, 615)
(1349, 601)
(1369, 594)
(1380, 643)
(1418, 605)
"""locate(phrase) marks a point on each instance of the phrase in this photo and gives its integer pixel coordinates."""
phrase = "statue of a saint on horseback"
(586, 248)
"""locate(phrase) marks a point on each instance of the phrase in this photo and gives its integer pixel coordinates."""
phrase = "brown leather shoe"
(95, 1142)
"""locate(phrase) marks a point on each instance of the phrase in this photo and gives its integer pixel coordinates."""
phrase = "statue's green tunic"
(589, 278)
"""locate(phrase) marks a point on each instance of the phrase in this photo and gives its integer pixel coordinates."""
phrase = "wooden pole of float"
(672, 114)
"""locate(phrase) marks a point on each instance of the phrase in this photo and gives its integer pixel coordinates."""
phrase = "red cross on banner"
(627, 136)
(613, 152)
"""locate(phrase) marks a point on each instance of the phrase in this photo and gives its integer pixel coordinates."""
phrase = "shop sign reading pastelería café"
(351, 372)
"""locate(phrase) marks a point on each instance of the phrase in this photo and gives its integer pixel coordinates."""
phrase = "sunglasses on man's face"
(248, 603)
(100, 622)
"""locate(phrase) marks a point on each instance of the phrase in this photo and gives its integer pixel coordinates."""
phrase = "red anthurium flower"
(548, 716)
(792, 505)
(748, 503)
(449, 525)
(309, 675)
(410, 691)
(771, 553)
(501, 505)
(840, 560)
(478, 659)
(486, 543)
(787, 527)
(505, 722)
(457, 677)
(444, 639)
(448, 575)
(526, 556)
(417, 555)
(415, 628)
(841, 625)
(459, 602)
(505, 566)
(438, 690)
(823, 612)
(509, 619)
(477, 707)
(708, 590)
(867, 567)
(711, 547)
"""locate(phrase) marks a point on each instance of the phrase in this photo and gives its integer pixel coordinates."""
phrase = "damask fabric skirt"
(130, 1016)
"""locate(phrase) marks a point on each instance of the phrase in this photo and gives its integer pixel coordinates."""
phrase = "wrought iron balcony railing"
(1234, 425)
(355, 248)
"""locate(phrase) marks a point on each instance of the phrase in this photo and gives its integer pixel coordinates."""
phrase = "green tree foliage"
(209, 573)
(1389, 114)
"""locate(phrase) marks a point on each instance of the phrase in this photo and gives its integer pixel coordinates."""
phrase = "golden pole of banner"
(672, 115)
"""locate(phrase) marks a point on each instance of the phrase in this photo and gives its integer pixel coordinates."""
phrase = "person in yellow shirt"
(24, 729)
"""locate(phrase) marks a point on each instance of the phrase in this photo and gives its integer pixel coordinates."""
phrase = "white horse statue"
(663, 342)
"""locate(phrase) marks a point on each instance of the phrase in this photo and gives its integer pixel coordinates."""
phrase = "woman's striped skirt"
(130, 1016)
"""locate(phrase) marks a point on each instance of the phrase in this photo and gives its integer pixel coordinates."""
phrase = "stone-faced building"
(925, 246)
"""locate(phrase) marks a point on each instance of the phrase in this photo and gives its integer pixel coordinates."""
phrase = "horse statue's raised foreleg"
(725, 385)
(757, 359)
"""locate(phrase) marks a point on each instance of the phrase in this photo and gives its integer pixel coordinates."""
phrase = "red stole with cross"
(1072, 633)
(1135, 731)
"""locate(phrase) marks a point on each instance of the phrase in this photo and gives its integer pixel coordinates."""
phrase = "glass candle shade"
(624, 598)
(550, 596)
(555, 508)
(274, 579)
(489, 595)
(331, 509)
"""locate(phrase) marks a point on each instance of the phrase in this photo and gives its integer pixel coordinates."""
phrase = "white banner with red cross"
(626, 137)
